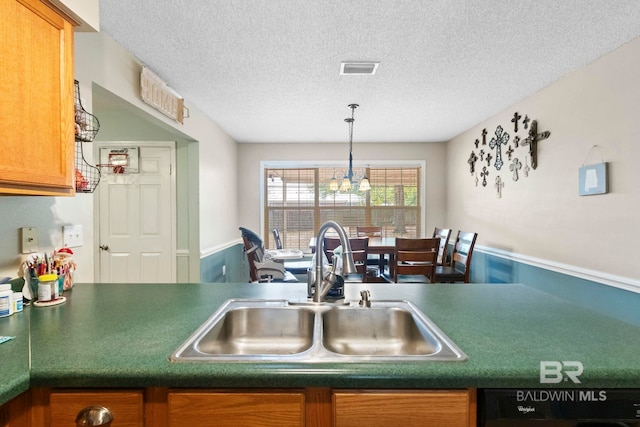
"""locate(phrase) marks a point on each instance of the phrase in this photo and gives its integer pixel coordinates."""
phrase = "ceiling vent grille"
(358, 68)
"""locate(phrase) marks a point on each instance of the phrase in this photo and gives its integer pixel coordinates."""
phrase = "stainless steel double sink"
(283, 331)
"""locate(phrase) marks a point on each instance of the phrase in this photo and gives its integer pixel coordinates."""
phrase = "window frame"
(341, 167)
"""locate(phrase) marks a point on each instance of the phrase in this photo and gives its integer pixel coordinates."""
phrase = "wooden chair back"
(460, 268)
(329, 245)
(416, 257)
(462, 252)
(374, 232)
(444, 234)
(359, 250)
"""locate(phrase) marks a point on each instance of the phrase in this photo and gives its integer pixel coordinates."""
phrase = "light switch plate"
(72, 236)
(29, 238)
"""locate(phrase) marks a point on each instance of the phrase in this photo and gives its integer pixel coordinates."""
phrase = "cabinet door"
(451, 408)
(16, 412)
(236, 408)
(126, 406)
(36, 112)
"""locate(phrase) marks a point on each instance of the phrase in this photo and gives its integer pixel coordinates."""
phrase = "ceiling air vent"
(358, 68)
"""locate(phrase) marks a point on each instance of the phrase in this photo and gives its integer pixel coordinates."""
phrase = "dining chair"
(444, 234)
(329, 245)
(376, 232)
(359, 250)
(460, 267)
(416, 258)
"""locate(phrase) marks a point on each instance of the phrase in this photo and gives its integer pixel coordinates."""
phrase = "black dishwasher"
(559, 408)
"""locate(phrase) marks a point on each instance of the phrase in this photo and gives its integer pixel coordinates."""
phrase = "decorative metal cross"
(476, 180)
(477, 142)
(532, 142)
(484, 175)
(482, 155)
(514, 167)
(489, 157)
(515, 119)
(516, 141)
(526, 167)
(525, 122)
(484, 136)
(509, 152)
(496, 142)
(472, 162)
(499, 186)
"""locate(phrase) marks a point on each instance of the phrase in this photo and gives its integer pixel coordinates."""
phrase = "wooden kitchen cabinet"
(310, 407)
(388, 408)
(16, 412)
(248, 408)
(126, 406)
(37, 108)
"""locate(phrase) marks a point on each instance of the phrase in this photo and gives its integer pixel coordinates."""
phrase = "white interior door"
(137, 219)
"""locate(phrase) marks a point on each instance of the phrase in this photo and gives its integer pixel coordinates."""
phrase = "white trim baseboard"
(621, 282)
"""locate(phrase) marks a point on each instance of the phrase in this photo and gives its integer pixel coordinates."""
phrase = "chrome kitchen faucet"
(324, 284)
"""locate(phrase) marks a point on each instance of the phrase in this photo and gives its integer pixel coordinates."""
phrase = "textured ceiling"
(268, 70)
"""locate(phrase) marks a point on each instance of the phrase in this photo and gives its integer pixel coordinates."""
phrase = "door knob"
(104, 247)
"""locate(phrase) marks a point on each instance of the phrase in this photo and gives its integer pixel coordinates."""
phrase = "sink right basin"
(376, 331)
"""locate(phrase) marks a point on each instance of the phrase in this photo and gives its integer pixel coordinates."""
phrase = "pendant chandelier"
(347, 180)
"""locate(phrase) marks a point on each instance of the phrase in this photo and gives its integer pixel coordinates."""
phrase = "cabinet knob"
(92, 416)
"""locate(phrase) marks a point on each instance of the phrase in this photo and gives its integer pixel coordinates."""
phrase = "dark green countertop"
(113, 335)
(14, 355)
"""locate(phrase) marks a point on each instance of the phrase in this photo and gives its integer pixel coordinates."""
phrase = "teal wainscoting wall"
(564, 282)
(226, 265)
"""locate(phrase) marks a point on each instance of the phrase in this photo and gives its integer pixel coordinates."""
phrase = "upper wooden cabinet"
(36, 112)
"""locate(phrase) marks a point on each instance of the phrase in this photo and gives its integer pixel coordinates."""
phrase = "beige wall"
(542, 215)
(213, 209)
(250, 156)
(101, 60)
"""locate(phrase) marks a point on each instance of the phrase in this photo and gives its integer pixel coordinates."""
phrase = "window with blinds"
(298, 201)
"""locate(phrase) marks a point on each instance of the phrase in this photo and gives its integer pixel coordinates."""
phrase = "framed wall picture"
(592, 179)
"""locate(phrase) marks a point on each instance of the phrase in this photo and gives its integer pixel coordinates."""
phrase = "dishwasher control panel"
(559, 407)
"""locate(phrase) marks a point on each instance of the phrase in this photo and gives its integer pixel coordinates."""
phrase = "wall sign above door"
(156, 93)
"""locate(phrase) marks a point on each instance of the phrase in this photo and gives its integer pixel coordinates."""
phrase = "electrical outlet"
(29, 236)
(72, 236)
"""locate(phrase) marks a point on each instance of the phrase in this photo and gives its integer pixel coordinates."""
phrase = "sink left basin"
(246, 330)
